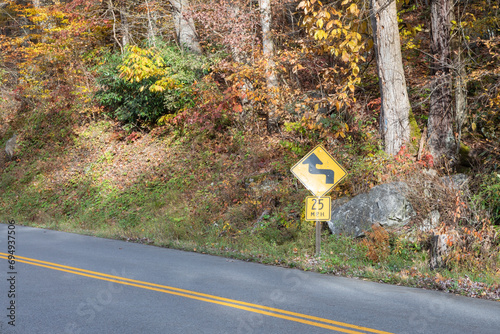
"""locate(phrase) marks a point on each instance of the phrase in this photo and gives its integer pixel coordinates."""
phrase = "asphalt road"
(68, 283)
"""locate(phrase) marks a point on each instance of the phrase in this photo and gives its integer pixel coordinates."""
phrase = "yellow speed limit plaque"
(318, 208)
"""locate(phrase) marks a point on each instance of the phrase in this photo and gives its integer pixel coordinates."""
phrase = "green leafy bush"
(142, 85)
(488, 196)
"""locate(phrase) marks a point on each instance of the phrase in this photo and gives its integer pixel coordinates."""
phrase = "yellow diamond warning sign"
(318, 171)
(318, 208)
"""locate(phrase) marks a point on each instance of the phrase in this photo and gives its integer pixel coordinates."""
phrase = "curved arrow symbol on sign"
(312, 161)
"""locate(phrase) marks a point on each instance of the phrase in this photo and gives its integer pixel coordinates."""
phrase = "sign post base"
(318, 238)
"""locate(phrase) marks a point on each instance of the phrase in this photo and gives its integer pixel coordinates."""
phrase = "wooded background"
(269, 53)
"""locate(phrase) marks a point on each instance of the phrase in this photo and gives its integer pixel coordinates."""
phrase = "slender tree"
(125, 27)
(267, 42)
(460, 60)
(268, 52)
(184, 26)
(151, 15)
(441, 139)
(394, 115)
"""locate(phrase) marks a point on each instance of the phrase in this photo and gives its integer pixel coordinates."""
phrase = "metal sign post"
(319, 181)
(318, 237)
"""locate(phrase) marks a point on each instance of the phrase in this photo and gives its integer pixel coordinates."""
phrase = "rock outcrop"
(385, 204)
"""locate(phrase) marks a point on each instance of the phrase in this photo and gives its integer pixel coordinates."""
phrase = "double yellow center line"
(260, 309)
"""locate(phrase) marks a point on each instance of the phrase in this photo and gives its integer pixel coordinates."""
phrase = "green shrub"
(142, 85)
(488, 196)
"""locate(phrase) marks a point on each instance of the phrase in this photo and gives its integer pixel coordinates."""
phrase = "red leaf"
(238, 108)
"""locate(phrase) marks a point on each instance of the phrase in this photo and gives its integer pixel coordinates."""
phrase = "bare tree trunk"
(460, 96)
(394, 114)
(114, 27)
(460, 82)
(41, 3)
(184, 27)
(124, 28)
(267, 43)
(151, 26)
(268, 51)
(441, 139)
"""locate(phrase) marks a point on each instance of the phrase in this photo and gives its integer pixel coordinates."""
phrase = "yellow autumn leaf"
(320, 23)
(345, 56)
(355, 69)
(329, 25)
(320, 34)
(160, 89)
(352, 45)
(297, 68)
(353, 8)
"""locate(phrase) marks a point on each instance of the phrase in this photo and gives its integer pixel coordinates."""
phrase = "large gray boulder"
(385, 204)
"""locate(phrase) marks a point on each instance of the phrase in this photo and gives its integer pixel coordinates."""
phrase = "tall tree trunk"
(267, 43)
(124, 27)
(112, 9)
(460, 80)
(184, 27)
(460, 96)
(394, 114)
(151, 25)
(268, 51)
(441, 139)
